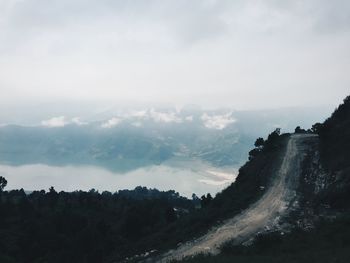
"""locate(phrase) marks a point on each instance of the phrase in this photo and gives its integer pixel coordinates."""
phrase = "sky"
(241, 54)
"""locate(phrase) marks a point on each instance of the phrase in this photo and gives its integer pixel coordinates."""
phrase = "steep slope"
(335, 156)
(320, 219)
(262, 215)
(335, 138)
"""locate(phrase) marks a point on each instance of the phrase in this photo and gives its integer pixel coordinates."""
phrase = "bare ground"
(263, 215)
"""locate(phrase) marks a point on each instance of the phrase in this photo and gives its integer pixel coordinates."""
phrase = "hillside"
(320, 222)
(335, 155)
(124, 140)
(266, 215)
(293, 189)
(129, 226)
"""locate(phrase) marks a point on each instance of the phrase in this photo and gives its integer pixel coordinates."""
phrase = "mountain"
(308, 219)
(124, 140)
(335, 148)
(289, 202)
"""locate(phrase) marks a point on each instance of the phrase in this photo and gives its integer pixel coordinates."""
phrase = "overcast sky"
(243, 54)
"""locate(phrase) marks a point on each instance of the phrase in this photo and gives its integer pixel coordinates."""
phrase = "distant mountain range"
(127, 139)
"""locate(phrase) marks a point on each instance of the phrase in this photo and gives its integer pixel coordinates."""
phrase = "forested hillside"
(335, 154)
(321, 224)
(83, 226)
(91, 226)
(110, 227)
(335, 138)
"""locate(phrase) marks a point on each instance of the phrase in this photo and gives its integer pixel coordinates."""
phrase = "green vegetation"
(335, 138)
(105, 227)
(329, 241)
(335, 155)
(93, 227)
(3, 183)
(83, 226)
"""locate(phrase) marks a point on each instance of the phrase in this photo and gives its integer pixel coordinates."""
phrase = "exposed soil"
(264, 215)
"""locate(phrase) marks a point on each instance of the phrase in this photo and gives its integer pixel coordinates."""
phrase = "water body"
(183, 177)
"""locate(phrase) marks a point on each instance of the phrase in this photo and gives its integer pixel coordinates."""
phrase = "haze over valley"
(164, 131)
(190, 150)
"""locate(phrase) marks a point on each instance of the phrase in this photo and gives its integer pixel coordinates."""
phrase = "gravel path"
(262, 215)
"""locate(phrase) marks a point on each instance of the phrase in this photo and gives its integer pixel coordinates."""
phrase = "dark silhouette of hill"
(335, 154)
(335, 138)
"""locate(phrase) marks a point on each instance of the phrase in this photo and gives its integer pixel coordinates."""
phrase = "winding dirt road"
(259, 217)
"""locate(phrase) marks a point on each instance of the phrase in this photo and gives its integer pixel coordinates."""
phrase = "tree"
(299, 130)
(52, 190)
(274, 135)
(277, 131)
(209, 197)
(272, 140)
(316, 128)
(3, 183)
(259, 142)
(205, 200)
(170, 215)
(194, 197)
(254, 153)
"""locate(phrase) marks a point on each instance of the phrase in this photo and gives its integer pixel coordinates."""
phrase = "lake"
(185, 177)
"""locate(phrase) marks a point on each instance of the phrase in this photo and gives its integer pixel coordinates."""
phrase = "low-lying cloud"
(55, 122)
(218, 122)
(62, 121)
(166, 117)
(111, 123)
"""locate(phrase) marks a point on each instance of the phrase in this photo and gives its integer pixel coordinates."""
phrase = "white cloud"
(219, 178)
(213, 182)
(218, 122)
(164, 117)
(189, 118)
(138, 114)
(77, 121)
(111, 123)
(55, 122)
(204, 52)
(137, 124)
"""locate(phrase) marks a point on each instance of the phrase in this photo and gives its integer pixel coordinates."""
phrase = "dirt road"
(262, 215)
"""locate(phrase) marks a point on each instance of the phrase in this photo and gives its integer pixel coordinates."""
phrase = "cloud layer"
(111, 123)
(55, 122)
(210, 120)
(244, 54)
(62, 121)
(218, 122)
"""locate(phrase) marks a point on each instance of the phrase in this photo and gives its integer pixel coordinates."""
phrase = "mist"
(241, 54)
